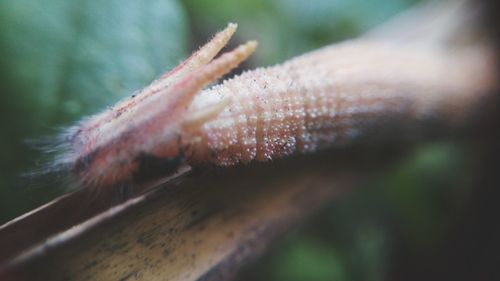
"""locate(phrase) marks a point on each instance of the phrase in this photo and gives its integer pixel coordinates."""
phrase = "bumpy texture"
(333, 96)
(138, 138)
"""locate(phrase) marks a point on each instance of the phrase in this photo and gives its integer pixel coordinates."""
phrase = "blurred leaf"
(425, 193)
(60, 59)
(308, 260)
(286, 28)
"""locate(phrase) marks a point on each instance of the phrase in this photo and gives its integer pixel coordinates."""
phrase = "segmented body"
(334, 96)
(134, 139)
(325, 98)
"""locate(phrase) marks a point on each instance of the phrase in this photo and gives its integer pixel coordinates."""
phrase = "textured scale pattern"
(331, 97)
(123, 144)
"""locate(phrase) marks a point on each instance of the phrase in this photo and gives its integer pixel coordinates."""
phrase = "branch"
(205, 225)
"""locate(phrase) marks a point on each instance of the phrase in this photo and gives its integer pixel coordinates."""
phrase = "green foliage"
(286, 28)
(422, 194)
(62, 59)
(413, 203)
(308, 260)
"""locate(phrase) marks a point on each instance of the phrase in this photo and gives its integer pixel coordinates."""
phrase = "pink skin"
(108, 149)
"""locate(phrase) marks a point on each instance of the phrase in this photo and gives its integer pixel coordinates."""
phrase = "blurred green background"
(64, 59)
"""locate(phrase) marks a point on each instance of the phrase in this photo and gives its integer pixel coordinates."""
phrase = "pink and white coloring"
(325, 98)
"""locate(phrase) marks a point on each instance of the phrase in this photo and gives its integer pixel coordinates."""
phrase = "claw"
(193, 122)
(182, 93)
(201, 57)
(112, 146)
(195, 82)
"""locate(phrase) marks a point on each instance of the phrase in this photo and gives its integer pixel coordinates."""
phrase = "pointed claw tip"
(230, 30)
(249, 47)
(252, 45)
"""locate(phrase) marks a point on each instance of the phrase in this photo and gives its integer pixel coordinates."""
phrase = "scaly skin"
(113, 148)
(337, 95)
(334, 96)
